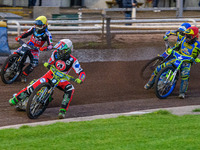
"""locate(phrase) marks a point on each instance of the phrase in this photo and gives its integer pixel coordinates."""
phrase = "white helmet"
(64, 47)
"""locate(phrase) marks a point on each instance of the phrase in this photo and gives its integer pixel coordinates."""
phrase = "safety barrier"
(106, 26)
(91, 26)
(4, 48)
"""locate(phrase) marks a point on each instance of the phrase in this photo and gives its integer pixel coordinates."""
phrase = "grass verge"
(156, 131)
(196, 110)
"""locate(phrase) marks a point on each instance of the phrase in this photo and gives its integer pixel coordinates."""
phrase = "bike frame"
(25, 51)
(178, 62)
(57, 77)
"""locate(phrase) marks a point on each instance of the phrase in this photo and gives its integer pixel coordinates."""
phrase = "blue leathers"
(184, 48)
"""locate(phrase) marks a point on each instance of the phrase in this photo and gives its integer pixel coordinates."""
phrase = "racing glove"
(165, 37)
(43, 48)
(197, 60)
(79, 81)
(18, 38)
(47, 65)
(169, 51)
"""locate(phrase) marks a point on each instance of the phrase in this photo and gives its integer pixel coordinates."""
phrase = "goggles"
(181, 33)
(189, 36)
(39, 24)
(62, 52)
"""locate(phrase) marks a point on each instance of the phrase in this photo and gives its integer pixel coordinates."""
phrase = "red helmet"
(192, 33)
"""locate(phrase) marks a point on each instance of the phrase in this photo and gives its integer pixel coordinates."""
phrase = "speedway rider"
(63, 61)
(188, 46)
(40, 35)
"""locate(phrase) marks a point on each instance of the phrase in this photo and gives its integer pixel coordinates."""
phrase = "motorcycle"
(14, 64)
(167, 78)
(41, 96)
(150, 66)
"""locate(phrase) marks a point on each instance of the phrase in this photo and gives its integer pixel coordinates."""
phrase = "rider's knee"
(69, 89)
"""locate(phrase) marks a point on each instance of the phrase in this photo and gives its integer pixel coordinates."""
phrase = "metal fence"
(106, 26)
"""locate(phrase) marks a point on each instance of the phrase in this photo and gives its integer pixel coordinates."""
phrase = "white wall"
(51, 3)
(95, 3)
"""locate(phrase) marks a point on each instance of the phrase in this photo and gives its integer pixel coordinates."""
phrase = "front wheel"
(150, 66)
(38, 101)
(10, 70)
(164, 83)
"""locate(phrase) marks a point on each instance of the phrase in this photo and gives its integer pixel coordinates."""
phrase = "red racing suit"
(65, 65)
(37, 40)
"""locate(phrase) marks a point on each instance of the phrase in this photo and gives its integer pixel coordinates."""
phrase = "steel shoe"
(61, 114)
(181, 96)
(21, 105)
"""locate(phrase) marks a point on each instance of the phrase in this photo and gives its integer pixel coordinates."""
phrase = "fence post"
(102, 29)
(179, 5)
(133, 14)
(80, 14)
(108, 34)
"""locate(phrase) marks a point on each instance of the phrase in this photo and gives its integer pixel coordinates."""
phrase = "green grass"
(196, 110)
(156, 131)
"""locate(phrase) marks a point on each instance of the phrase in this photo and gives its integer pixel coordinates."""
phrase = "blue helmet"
(184, 26)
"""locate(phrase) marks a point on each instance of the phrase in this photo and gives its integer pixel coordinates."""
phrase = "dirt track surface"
(110, 87)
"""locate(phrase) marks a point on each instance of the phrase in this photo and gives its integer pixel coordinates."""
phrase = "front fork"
(171, 76)
(50, 97)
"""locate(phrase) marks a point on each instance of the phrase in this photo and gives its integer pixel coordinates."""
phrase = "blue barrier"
(4, 48)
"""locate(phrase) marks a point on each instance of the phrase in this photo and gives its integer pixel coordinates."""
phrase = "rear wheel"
(38, 101)
(150, 66)
(164, 85)
(10, 70)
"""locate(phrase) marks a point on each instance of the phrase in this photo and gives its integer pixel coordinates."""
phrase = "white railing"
(98, 26)
(105, 26)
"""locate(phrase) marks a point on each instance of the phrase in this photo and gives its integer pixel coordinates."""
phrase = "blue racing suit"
(183, 48)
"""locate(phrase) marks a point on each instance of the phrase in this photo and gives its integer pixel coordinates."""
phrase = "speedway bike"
(167, 78)
(14, 64)
(41, 96)
(150, 66)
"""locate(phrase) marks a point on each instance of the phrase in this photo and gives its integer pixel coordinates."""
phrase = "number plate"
(59, 74)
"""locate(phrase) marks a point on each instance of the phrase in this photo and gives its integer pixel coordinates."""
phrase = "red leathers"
(37, 39)
(64, 65)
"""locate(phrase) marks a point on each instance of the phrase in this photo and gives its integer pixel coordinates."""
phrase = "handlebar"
(54, 70)
(21, 42)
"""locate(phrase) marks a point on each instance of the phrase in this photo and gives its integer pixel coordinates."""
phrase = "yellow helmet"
(41, 24)
(43, 20)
